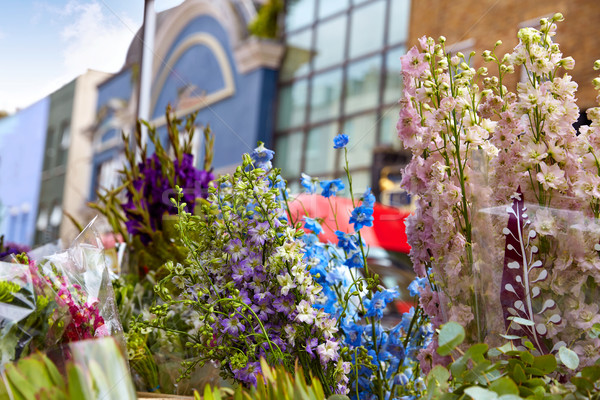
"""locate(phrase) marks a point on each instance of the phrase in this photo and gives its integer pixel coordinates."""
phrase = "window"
(299, 14)
(320, 154)
(330, 42)
(367, 29)
(292, 105)
(362, 132)
(325, 97)
(341, 73)
(362, 84)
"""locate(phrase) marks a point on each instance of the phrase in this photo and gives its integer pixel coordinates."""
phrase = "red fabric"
(388, 230)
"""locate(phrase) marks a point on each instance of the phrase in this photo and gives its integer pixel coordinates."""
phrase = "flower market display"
(221, 292)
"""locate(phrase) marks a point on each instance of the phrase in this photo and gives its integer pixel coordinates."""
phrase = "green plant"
(507, 373)
(266, 22)
(276, 384)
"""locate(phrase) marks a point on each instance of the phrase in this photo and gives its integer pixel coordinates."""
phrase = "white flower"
(286, 283)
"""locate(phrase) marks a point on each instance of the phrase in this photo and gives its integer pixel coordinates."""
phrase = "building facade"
(22, 139)
(204, 61)
(488, 21)
(340, 74)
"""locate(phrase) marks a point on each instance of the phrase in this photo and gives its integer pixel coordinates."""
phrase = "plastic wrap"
(17, 305)
(80, 281)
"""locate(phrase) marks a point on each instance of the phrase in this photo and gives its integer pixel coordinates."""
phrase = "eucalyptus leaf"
(504, 385)
(568, 357)
(451, 335)
(479, 393)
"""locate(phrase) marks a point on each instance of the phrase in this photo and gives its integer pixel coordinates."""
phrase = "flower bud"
(558, 17)
(597, 65)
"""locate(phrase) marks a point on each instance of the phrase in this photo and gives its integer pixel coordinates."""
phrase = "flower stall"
(231, 287)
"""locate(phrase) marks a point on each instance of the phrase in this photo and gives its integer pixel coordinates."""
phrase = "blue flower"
(415, 285)
(309, 183)
(330, 188)
(368, 198)
(361, 216)
(380, 300)
(340, 141)
(355, 260)
(346, 241)
(261, 156)
(313, 225)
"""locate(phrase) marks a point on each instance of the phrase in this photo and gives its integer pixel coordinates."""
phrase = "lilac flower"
(261, 156)
(313, 225)
(310, 345)
(328, 351)
(259, 233)
(233, 325)
(236, 249)
(330, 188)
(361, 216)
(310, 184)
(340, 141)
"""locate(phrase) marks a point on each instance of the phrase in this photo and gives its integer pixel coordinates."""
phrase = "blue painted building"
(22, 143)
(204, 60)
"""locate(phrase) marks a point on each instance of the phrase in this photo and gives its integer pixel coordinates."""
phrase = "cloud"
(95, 37)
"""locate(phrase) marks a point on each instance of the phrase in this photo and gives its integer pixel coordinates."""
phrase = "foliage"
(506, 373)
(275, 383)
(103, 374)
(266, 23)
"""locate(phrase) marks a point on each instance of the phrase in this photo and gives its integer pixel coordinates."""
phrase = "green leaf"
(592, 373)
(521, 321)
(451, 335)
(479, 393)
(504, 385)
(519, 374)
(568, 357)
(582, 384)
(546, 363)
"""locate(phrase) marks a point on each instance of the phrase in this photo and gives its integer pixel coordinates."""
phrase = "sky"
(45, 44)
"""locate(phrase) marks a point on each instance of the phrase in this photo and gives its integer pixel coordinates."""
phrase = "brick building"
(478, 24)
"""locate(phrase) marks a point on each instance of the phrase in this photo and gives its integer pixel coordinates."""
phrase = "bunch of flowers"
(82, 319)
(384, 357)
(138, 210)
(458, 122)
(9, 248)
(248, 285)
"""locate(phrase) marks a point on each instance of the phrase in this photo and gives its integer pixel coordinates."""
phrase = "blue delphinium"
(330, 188)
(313, 225)
(261, 157)
(340, 141)
(309, 183)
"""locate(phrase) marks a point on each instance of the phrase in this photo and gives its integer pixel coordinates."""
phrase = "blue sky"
(47, 43)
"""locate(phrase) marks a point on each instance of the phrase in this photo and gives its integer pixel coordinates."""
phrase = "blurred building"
(66, 160)
(203, 60)
(22, 139)
(489, 20)
(340, 74)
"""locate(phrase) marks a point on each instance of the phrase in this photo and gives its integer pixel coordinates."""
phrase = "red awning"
(388, 230)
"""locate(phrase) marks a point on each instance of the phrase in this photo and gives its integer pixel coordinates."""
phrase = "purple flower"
(259, 233)
(330, 188)
(310, 345)
(12, 248)
(340, 141)
(233, 325)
